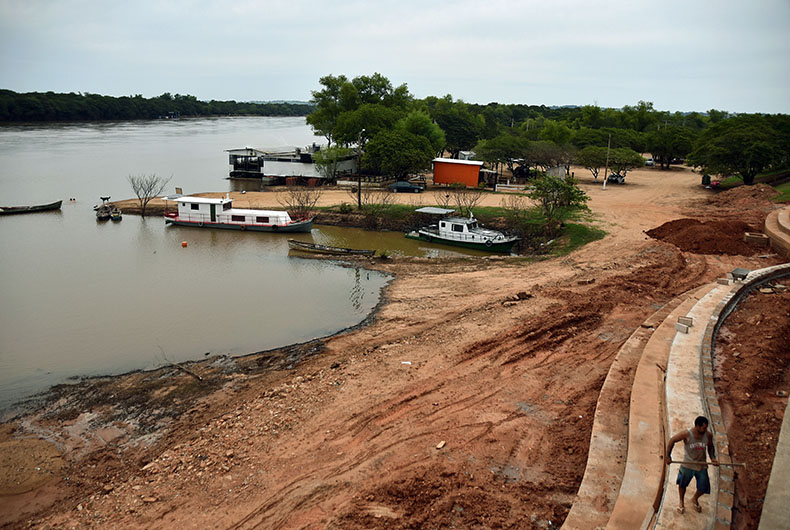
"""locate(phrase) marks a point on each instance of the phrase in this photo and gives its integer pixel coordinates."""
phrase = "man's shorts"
(703, 481)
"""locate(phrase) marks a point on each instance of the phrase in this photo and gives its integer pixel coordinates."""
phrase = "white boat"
(462, 232)
(210, 212)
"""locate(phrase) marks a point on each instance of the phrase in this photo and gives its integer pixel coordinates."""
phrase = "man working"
(695, 441)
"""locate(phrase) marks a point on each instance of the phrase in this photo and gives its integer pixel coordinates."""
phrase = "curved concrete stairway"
(777, 228)
(626, 484)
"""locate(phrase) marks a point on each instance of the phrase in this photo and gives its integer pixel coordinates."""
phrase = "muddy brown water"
(82, 298)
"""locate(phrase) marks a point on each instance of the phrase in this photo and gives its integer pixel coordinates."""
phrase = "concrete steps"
(608, 441)
(626, 484)
(685, 400)
(777, 228)
(641, 488)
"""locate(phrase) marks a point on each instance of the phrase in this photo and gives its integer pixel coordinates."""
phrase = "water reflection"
(357, 292)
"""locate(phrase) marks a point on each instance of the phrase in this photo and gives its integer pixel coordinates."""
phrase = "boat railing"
(467, 236)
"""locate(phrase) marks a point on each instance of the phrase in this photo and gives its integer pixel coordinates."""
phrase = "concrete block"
(688, 321)
(757, 238)
(682, 328)
(724, 281)
(739, 273)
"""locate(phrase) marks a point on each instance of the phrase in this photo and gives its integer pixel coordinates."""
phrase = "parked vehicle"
(649, 162)
(403, 186)
(616, 178)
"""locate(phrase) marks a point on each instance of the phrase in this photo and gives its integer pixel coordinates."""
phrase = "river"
(81, 298)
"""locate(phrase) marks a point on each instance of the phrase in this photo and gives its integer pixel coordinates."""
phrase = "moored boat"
(210, 212)
(116, 214)
(326, 249)
(462, 232)
(103, 210)
(11, 210)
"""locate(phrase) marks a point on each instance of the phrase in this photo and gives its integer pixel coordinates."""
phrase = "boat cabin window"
(472, 226)
(443, 224)
(195, 206)
(458, 228)
(226, 206)
(261, 219)
(238, 218)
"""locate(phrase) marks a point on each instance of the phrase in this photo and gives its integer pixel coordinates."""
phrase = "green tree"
(592, 158)
(327, 160)
(543, 154)
(623, 160)
(744, 145)
(556, 132)
(334, 98)
(363, 123)
(419, 123)
(461, 128)
(668, 142)
(506, 149)
(639, 117)
(558, 198)
(398, 153)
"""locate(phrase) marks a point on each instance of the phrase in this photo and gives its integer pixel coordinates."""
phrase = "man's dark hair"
(700, 421)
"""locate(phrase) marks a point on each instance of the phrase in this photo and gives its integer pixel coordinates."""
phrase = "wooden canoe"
(326, 249)
(10, 210)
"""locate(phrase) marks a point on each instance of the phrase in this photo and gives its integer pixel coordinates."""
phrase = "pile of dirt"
(752, 377)
(706, 237)
(744, 197)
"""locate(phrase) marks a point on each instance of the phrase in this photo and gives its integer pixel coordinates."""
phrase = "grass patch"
(575, 236)
(769, 177)
(784, 192)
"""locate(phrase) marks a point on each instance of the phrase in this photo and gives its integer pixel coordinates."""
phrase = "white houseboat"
(210, 212)
(273, 165)
(462, 232)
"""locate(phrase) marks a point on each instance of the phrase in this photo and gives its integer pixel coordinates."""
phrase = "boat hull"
(505, 246)
(295, 226)
(13, 210)
(326, 249)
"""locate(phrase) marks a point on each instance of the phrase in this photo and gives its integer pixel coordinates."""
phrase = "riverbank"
(449, 408)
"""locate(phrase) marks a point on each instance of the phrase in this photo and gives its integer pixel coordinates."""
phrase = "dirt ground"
(752, 372)
(466, 402)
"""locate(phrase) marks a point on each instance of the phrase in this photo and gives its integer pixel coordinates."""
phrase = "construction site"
(496, 392)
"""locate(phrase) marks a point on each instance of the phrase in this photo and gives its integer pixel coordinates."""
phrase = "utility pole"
(359, 175)
(606, 169)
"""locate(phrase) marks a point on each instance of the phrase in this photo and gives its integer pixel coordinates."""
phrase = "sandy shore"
(468, 400)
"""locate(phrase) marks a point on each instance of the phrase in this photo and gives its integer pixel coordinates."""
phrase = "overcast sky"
(682, 55)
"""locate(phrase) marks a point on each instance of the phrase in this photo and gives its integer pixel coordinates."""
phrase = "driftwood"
(180, 367)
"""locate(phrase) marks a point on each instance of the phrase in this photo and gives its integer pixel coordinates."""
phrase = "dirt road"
(462, 405)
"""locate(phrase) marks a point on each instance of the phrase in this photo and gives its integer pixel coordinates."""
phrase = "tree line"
(397, 134)
(51, 106)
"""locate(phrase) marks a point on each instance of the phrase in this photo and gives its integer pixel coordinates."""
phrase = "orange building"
(451, 171)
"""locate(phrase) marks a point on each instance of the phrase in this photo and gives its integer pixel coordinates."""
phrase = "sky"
(690, 55)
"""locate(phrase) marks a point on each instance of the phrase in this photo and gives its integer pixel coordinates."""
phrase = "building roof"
(454, 161)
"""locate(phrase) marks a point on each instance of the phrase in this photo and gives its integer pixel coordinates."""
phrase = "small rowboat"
(325, 249)
(10, 210)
